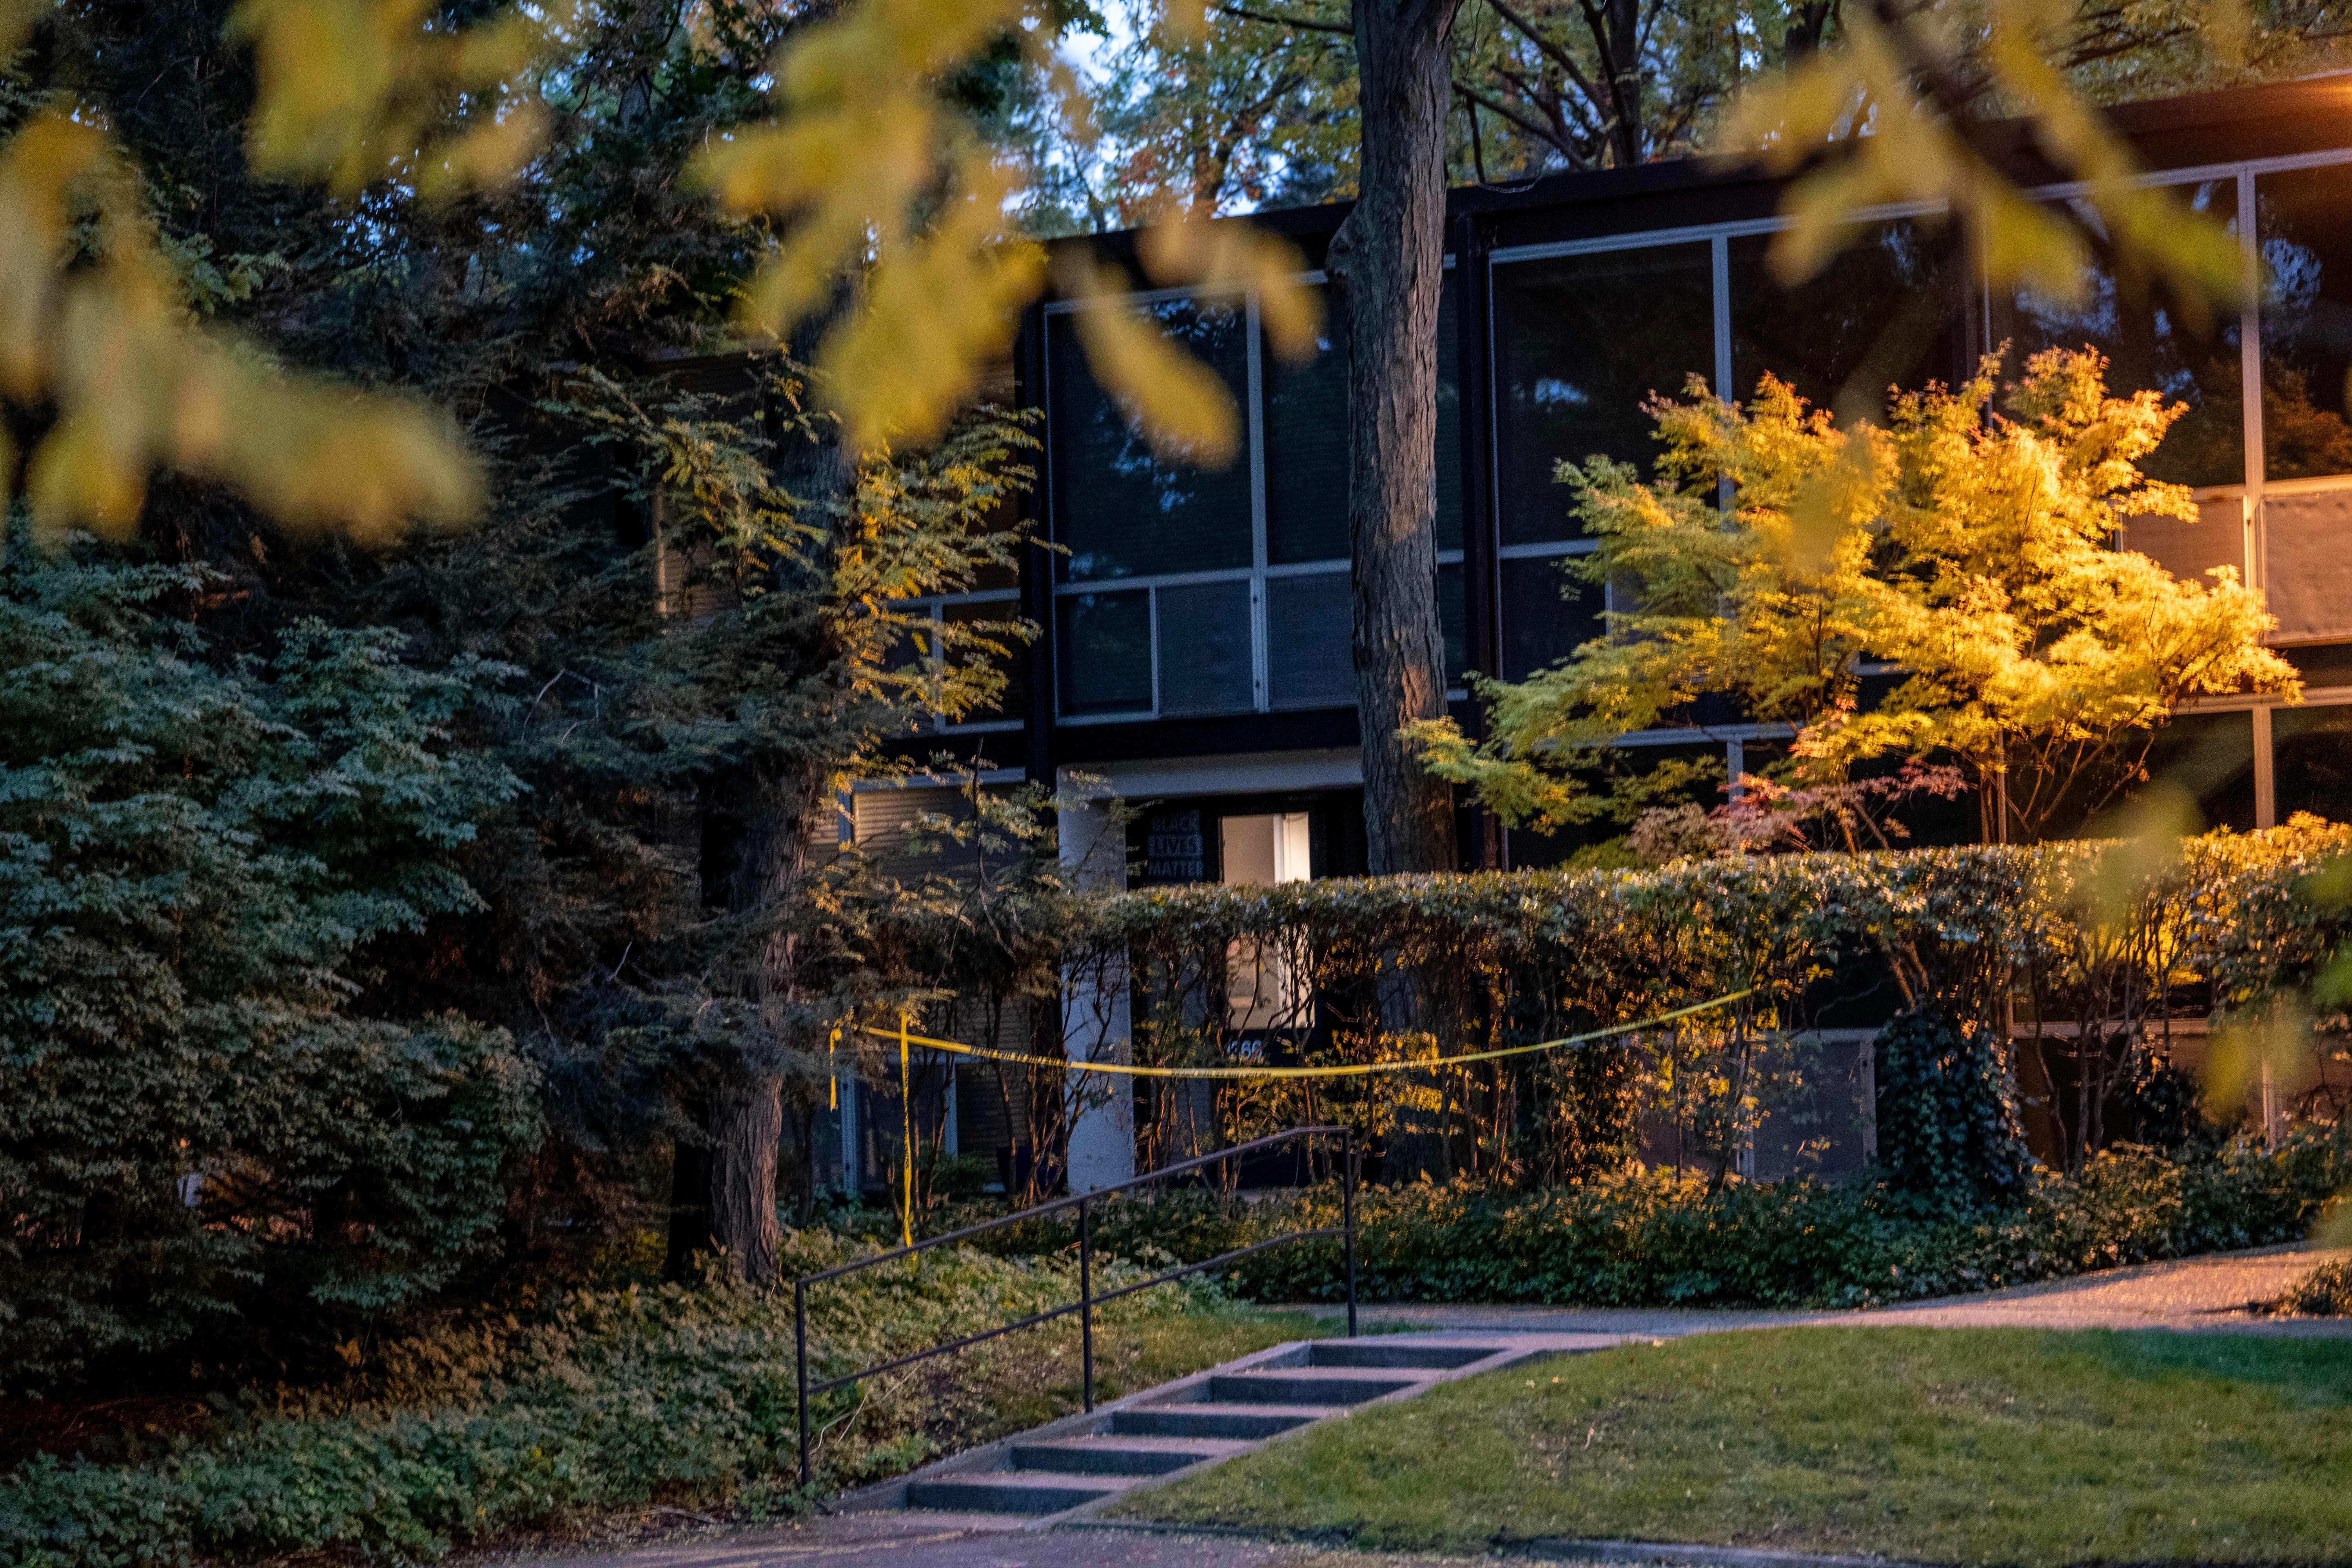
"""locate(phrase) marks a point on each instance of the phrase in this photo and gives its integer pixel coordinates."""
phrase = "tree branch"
(1303, 24)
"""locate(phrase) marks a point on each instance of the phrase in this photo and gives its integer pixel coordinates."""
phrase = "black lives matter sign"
(1174, 849)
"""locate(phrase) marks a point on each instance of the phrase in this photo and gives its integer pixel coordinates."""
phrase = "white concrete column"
(1095, 1025)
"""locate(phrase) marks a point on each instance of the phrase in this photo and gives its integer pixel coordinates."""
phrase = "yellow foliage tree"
(1969, 553)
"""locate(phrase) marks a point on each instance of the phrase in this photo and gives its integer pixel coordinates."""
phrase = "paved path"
(2195, 1294)
(972, 1541)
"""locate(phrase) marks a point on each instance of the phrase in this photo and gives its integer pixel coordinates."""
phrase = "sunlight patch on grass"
(1944, 1444)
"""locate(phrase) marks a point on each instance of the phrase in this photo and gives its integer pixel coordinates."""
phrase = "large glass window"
(1120, 509)
(1306, 444)
(2301, 221)
(2151, 344)
(1884, 313)
(1580, 342)
(1218, 618)
(2312, 762)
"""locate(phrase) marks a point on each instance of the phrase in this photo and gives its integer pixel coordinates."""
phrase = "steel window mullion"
(1545, 550)
(1158, 580)
(1719, 249)
(1256, 427)
(1152, 631)
(2250, 391)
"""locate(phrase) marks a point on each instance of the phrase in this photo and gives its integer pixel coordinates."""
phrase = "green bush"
(1648, 1240)
(599, 1400)
(193, 1131)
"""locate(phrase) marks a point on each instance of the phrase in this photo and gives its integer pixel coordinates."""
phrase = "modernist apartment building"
(1195, 658)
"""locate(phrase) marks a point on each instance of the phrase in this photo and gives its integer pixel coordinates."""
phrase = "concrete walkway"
(2210, 1295)
(974, 1541)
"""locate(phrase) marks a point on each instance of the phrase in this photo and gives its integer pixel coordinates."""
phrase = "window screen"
(1123, 510)
(1309, 656)
(2307, 318)
(1307, 443)
(1106, 652)
(1548, 615)
(1884, 313)
(1204, 649)
(2150, 346)
(1581, 343)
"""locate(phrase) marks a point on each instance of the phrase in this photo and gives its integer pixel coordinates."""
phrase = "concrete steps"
(1077, 1464)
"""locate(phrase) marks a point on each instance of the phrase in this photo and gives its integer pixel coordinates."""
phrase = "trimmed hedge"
(1650, 1239)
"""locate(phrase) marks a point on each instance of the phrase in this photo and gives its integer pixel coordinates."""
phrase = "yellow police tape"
(1347, 1070)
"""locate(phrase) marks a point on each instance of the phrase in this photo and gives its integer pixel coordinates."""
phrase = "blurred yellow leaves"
(879, 181)
(897, 225)
(352, 91)
(1179, 404)
(1896, 99)
(93, 322)
(1230, 257)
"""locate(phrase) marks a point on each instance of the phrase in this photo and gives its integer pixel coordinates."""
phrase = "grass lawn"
(1941, 1445)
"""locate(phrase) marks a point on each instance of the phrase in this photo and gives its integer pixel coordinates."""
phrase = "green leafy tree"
(196, 861)
(1970, 549)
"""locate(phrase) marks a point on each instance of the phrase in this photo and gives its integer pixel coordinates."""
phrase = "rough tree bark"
(747, 1114)
(1388, 263)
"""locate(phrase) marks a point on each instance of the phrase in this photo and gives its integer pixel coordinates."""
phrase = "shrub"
(600, 1400)
(1647, 1239)
(193, 1130)
(1348, 971)
(2324, 1292)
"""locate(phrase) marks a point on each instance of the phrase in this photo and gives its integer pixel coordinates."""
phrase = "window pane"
(1546, 614)
(1122, 511)
(2149, 348)
(1581, 343)
(1449, 418)
(2312, 748)
(1310, 657)
(1106, 652)
(1204, 649)
(2210, 756)
(1306, 444)
(1013, 661)
(2306, 321)
(1885, 311)
(1306, 450)
(1453, 620)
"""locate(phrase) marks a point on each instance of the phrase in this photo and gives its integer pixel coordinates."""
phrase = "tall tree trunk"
(747, 1126)
(771, 861)
(1389, 263)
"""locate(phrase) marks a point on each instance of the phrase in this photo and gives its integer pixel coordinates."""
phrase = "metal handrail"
(1087, 1301)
